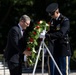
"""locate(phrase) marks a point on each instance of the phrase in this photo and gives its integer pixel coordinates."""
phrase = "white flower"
(41, 21)
(35, 28)
(47, 24)
(34, 50)
(39, 30)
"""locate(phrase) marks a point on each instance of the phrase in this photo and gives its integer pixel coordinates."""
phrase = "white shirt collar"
(20, 27)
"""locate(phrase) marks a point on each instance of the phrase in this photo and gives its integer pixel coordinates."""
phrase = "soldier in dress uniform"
(59, 39)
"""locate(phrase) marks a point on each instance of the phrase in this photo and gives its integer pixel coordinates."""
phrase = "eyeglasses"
(27, 23)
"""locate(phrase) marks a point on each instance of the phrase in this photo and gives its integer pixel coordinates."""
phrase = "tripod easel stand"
(42, 46)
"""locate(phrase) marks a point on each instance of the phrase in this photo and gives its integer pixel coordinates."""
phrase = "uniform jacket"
(59, 30)
(15, 45)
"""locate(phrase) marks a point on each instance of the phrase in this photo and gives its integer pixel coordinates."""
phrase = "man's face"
(26, 24)
(55, 14)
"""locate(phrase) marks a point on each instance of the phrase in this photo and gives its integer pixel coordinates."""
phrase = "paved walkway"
(6, 71)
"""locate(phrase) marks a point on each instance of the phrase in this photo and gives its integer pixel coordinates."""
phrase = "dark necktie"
(23, 31)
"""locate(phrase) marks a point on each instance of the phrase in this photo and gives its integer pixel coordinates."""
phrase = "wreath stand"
(42, 47)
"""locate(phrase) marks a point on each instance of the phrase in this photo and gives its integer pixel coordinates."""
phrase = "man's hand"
(27, 53)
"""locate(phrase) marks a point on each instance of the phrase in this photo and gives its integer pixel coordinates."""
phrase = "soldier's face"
(55, 15)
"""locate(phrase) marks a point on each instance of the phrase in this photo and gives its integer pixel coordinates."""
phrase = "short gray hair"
(25, 18)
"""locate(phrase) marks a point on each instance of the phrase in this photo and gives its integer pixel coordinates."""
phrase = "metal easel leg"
(42, 45)
(42, 59)
(37, 59)
(53, 59)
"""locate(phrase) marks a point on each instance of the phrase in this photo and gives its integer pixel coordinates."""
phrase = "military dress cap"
(52, 7)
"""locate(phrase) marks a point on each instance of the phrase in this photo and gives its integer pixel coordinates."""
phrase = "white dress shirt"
(21, 29)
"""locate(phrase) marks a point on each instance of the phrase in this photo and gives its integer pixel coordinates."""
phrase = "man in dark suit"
(59, 30)
(16, 46)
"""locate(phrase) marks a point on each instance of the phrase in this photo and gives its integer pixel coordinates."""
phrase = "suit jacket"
(59, 30)
(15, 45)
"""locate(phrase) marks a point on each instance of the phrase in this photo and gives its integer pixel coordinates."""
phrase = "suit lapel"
(20, 35)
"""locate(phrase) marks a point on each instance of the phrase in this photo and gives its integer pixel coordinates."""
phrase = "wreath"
(33, 42)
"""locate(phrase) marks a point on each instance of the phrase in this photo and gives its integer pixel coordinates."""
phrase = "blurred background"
(12, 10)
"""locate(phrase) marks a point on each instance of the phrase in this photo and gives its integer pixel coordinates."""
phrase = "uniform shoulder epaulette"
(65, 19)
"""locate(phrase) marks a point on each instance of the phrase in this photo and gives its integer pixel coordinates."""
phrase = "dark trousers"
(15, 68)
(61, 62)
